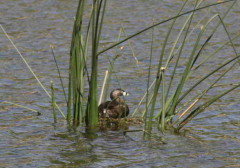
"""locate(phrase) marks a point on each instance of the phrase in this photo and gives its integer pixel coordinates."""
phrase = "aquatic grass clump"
(85, 112)
(175, 111)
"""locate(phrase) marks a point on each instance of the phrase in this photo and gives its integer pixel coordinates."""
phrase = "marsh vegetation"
(171, 98)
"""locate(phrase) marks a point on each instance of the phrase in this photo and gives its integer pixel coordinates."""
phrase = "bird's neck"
(119, 100)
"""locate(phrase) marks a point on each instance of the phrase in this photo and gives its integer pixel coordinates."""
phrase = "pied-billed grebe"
(116, 108)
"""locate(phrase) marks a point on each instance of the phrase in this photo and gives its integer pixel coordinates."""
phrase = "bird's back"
(113, 109)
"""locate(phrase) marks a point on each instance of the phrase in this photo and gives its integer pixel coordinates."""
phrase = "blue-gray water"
(28, 140)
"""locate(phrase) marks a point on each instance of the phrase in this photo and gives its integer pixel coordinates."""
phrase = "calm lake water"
(28, 140)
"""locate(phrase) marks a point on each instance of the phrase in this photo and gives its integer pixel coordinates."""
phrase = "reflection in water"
(27, 140)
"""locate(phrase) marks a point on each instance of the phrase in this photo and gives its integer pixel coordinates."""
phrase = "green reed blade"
(229, 37)
(145, 116)
(200, 50)
(96, 25)
(102, 19)
(53, 103)
(163, 102)
(59, 73)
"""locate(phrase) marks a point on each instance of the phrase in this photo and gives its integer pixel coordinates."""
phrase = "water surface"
(28, 140)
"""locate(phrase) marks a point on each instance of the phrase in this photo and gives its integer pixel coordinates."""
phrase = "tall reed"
(78, 70)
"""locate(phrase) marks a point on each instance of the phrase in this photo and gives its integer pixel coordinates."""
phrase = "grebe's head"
(116, 93)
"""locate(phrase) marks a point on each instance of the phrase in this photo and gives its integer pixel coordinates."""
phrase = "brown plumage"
(116, 108)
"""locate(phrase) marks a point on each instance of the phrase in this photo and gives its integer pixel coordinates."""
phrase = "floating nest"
(119, 124)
